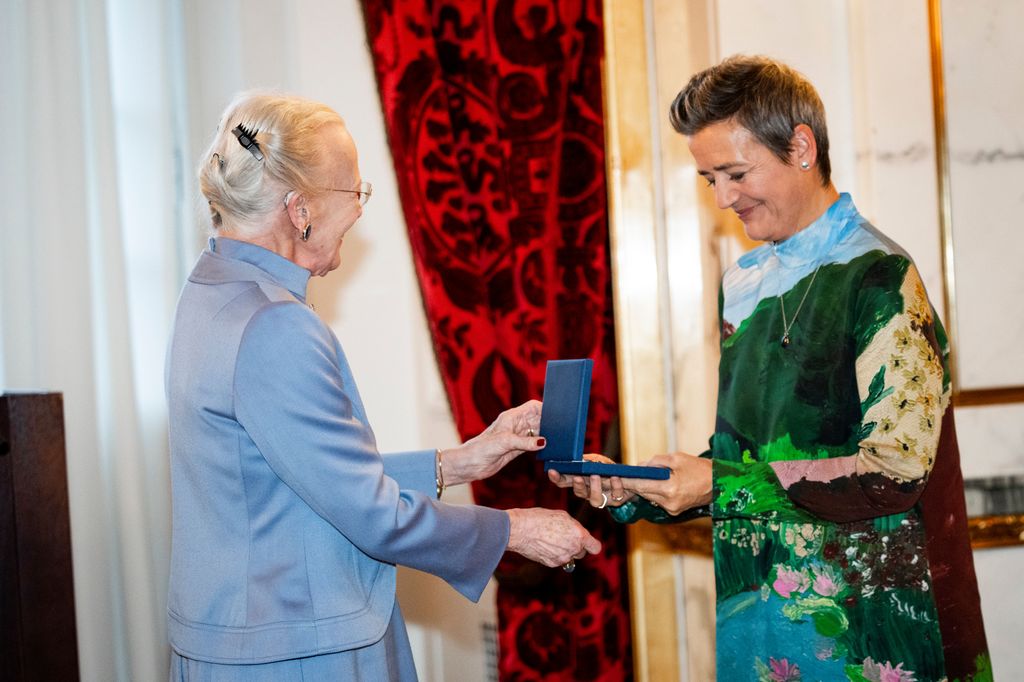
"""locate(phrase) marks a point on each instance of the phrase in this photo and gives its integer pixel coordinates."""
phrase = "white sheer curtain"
(90, 263)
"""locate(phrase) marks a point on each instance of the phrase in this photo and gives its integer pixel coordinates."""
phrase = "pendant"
(785, 340)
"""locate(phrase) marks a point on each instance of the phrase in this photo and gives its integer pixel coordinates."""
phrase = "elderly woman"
(833, 478)
(287, 521)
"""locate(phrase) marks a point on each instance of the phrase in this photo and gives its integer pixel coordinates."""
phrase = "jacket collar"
(229, 260)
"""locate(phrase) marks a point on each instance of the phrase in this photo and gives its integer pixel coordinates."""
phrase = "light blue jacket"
(287, 522)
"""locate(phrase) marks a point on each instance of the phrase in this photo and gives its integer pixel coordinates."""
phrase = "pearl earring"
(805, 165)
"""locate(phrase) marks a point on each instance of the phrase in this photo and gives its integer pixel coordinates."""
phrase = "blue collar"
(233, 260)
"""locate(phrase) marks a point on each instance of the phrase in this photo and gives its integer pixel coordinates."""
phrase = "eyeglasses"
(364, 191)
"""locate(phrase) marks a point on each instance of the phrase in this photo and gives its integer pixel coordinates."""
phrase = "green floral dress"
(840, 539)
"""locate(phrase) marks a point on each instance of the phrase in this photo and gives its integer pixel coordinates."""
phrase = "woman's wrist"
(458, 466)
(514, 530)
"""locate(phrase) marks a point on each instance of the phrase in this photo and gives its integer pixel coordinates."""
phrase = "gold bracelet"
(439, 473)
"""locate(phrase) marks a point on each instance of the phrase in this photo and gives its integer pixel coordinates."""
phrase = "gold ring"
(530, 433)
(570, 567)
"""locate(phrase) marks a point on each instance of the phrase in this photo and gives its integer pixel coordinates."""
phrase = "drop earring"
(304, 235)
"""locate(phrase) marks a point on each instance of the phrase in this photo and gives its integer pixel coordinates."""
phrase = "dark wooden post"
(37, 598)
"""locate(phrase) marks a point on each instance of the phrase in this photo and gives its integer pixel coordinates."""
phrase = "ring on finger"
(604, 501)
(570, 567)
(618, 498)
(530, 433)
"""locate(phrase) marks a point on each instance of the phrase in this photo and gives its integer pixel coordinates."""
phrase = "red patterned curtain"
(494, 114)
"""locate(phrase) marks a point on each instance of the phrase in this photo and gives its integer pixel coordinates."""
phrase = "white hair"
(244, 188)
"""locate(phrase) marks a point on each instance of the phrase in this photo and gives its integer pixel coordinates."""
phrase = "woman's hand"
(512, 433)
(601, 491)
(550, 537)
(688, 484)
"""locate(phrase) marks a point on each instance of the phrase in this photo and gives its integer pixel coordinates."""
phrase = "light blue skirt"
(390, 658)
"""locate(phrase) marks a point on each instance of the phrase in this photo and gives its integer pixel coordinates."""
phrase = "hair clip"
(248, 140)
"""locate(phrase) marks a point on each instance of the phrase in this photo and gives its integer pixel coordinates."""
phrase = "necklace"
(788, 324)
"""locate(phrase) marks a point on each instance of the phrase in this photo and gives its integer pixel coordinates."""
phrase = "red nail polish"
(541, 442)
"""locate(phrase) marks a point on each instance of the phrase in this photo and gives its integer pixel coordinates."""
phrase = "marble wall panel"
(991, 440)
(984, 62)
(891, 76)
(870, 64)
(812, 37)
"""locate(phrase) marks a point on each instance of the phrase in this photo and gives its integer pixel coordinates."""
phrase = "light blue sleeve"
(413, 470)
(295, 398)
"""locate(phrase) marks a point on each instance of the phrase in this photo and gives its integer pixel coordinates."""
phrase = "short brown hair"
(765, 96)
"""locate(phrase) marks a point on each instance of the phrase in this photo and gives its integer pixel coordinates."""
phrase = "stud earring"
(304, 235)
(805, 165)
